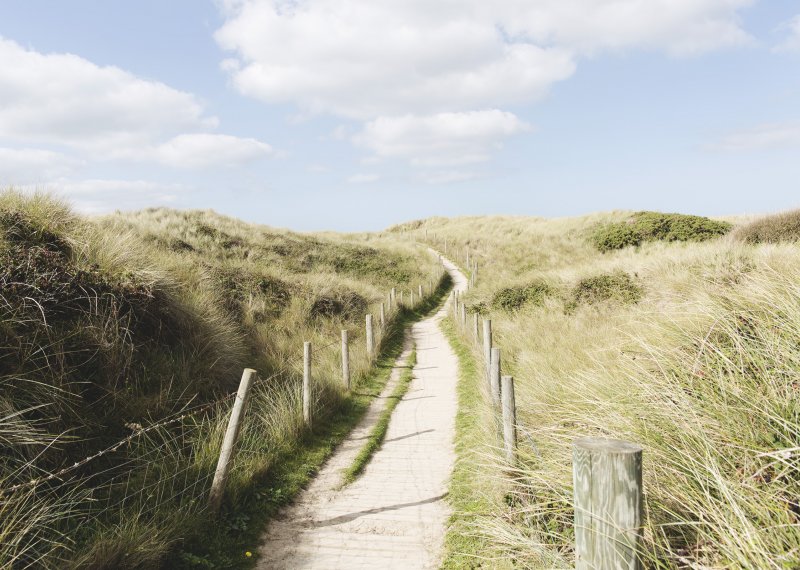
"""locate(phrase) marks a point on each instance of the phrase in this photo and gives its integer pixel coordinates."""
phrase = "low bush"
(618, 287)
(783, 227)
(516, 297)
(655, 226)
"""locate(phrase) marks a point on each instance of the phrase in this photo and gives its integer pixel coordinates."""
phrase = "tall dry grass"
(703, 370)
(111, 325)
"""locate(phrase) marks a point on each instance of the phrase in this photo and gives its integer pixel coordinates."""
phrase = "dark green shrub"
(783, 227)
(618, 286)
(514, 298)
(655, 226)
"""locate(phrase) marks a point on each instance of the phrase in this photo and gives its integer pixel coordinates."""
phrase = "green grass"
(378, 433)
(471, 486)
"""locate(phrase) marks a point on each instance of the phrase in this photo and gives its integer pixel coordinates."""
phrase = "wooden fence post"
(509, 419)
(494, 376)
(370, 338)
(475, 328)
(487, 346)
(307, 384)
(383, 317)
(229, 442)
(464, 317)
(607, 478)
(420, 292)
(394, 297)
(346, 359)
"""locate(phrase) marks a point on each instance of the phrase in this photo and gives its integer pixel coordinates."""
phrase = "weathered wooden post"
(370, 338)
(494, 376)
(420, 292)
(229, 441)
(307, 384)
(487, 346)
(509, 419)
(607, 479)
(464, 317)
(346, 359)
(383, 317)
(475, 329)
(430, 286)
(394, 297)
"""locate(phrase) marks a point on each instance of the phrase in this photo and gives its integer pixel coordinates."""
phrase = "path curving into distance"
(394, 515)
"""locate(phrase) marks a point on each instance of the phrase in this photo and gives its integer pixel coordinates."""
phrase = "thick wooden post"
(420, 292)
(370, 338)
(229, 442)
(383, 316)
(487, 346)
(607, 478)
(509, 419)
(494, 376)
(346, 359)
(307, 384)
(464, 317)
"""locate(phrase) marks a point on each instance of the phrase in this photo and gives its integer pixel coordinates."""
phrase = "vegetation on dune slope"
(108, 325)
(644, 227)
(702, 371)
(782, 227)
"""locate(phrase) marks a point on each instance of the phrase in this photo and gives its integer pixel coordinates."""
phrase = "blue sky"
(352, 115)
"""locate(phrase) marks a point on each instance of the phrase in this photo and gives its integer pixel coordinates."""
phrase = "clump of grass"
(644, 227)
(617, 286)
(378, 433)
(783, 227)
(516, 297)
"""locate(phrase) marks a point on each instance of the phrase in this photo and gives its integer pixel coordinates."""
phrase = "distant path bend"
(394, 515)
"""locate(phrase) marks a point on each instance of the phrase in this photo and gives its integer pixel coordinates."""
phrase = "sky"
(353, 115)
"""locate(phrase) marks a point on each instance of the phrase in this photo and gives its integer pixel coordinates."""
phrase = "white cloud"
(764, 136)
(367, 59)
(104, 113)
(65, 99)
(442, 139)
(209, 150)
(415, 72)
(792, 42)
(449, 176)
(362, 178)
(24, 165)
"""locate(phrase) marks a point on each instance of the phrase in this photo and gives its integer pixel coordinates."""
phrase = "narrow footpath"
(395, 514)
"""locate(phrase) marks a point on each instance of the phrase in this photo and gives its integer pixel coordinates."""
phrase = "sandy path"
(394, 515)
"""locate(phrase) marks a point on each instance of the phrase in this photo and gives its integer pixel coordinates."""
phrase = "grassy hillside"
(686, 340)
(111, 325)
